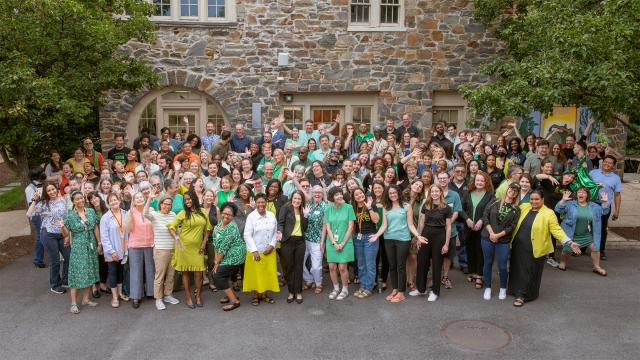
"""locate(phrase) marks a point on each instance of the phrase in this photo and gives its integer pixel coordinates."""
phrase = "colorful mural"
(530, 124)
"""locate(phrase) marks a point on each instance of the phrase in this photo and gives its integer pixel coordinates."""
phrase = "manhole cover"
(476, 335)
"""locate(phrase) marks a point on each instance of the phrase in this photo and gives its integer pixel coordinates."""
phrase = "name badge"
(359, 237)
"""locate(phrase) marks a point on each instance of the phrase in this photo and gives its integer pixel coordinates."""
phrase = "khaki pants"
(163, 281)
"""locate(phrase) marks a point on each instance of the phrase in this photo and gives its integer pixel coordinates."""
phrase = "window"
(361, 114)
(163, 7)
(148, 118)
(450, 107)
(215, 116)
(199, 11)
(448, 115)
(376, 15)
(176, 122)
(215, 8)
(293, 117)
(389, 11)
(360, 11)
(189, 8)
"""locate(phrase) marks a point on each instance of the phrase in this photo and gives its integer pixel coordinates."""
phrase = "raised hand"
(306, 210)
(604, 197)
(566, 196)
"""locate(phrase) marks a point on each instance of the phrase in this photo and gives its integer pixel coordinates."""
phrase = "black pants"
(397, 252)
(224, 274)
(604, 232)
(103, 269)
(115, 274)
(475, 258)
(381, 260)
(430, 253)
(293, 252)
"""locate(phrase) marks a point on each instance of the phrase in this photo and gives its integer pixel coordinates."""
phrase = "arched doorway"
(169, 106)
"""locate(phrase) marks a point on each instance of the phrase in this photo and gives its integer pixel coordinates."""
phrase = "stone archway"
(117, 112)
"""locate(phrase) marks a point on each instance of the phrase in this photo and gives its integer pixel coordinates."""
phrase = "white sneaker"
(432, 297)
(552, 262)
(503, 294)
(343, 294)
(333, 294)
(171, 300)
(417, 293)
(487, 294)
(160, 305)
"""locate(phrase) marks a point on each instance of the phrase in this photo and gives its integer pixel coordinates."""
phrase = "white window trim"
(374, 19)
(203, 13)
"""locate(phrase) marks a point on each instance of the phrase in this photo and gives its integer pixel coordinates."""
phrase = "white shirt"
(212, 183)
(260, 231)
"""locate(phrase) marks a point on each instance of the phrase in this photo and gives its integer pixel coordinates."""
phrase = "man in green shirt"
(363, 135)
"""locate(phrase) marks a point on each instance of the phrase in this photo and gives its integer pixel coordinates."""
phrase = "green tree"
(567, 52)
(58, 58)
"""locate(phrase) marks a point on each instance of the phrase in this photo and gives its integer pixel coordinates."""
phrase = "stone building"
(230, 61)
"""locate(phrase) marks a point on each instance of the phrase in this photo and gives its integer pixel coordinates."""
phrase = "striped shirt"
(161, 234)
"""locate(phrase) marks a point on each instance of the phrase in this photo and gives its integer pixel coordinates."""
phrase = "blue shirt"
(304, 136)
(320, 154)
(209, 140)
(397, 228)
(240, 145)
(611, 182)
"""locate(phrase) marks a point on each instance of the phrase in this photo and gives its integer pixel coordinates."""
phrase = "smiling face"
(51, 191)
(525, 184)
(417, 187)
(608, 164)
(435, 193)
(188, 202)
(393, 195)
(536, 201)
(296, 200)
(479, 182)
(78, 201)
(261, 205)
(338, 199)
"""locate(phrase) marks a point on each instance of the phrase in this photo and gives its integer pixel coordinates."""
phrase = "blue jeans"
(501, 252)
(38, 256)
(462, 255)
(366, 253)
(54, 243)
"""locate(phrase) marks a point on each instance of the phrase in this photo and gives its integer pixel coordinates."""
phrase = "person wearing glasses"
(93, 156)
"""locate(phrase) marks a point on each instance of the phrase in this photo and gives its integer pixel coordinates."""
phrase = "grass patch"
(12, 199)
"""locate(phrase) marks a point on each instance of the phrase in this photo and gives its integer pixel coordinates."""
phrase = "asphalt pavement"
(579, 315)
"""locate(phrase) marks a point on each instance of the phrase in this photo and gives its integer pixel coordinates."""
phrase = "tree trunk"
(21, 165)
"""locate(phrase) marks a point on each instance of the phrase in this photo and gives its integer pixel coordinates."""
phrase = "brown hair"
(488, 185)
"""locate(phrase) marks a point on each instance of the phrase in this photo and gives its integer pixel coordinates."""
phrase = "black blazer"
(467, 206)
(287, 220)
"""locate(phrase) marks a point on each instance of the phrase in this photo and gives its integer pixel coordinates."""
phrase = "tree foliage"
(57, 60)
(567, 52)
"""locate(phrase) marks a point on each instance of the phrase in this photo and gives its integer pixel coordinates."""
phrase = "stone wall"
(236, 63)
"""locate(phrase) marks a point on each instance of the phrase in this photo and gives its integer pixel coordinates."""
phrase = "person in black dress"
(530, 246)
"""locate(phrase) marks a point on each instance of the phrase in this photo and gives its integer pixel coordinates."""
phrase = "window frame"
(203, 14)
(374, 18)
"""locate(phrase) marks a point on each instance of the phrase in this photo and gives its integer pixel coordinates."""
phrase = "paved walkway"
(578, 315)
(13, 223)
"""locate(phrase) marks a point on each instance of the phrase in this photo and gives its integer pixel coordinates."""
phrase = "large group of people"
(389, 211)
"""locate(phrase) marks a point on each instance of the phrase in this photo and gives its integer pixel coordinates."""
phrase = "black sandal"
(518, 302)
(232, 306)
(255, 301)
(268, 300)
(224, 300)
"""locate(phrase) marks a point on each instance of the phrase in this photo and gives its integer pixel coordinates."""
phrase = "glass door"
(174, 120)
(326, 115)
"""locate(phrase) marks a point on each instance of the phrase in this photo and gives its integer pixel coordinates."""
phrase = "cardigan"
(508, 223)
(544, 226)
(467, 206)
(287, 221)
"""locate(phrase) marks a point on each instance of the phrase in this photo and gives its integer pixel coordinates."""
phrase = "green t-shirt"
(176, 206)
(228, 241)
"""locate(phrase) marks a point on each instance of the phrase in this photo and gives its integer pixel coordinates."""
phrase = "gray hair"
(144, 185)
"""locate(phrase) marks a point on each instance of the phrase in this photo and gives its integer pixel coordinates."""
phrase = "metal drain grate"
(476, 335)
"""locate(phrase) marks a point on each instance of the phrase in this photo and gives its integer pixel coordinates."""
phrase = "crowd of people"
(389, 211)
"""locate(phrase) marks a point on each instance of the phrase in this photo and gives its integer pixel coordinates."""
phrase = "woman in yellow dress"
(190, 245)
(260, 269)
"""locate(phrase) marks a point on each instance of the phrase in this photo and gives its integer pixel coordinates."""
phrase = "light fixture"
(287, 98)
(283, 59)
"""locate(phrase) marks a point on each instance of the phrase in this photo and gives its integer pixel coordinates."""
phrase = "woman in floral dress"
(81, 231)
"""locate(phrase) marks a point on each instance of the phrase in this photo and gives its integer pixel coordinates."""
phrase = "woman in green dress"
(190, 245)
(339, 222)
(81, 231)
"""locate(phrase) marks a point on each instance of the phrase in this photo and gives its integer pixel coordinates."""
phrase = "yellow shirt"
(297, 228)
(544, 226)
(77, 167)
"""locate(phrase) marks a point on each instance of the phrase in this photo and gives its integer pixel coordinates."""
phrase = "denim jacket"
(570, 212)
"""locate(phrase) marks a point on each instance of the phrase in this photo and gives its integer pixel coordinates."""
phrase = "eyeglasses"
(304, 186)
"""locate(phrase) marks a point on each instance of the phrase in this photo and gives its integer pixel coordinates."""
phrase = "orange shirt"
(191, 157)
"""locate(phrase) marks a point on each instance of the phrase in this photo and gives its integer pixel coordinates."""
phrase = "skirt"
(346, 255)
(261, 276)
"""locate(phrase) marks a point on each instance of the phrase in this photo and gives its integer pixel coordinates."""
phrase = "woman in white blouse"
(260, 269)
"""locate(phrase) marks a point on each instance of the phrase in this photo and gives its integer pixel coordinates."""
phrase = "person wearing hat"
(379, 145)
(332, 162)
(36, 177)
(500, 218)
